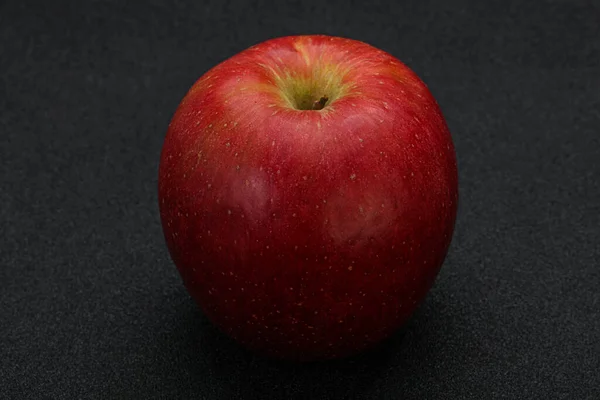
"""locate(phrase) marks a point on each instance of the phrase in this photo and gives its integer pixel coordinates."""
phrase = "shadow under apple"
(216, 366)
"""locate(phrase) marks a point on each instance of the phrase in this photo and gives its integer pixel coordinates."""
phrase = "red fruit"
(308, 194)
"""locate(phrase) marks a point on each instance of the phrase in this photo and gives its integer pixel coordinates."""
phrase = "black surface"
(91, 304)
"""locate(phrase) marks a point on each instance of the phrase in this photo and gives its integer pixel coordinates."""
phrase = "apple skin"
(308, 234)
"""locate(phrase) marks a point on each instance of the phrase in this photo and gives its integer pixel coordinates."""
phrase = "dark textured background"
(92, 306)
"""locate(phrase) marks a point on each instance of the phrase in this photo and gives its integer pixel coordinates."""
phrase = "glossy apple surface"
(308, 195)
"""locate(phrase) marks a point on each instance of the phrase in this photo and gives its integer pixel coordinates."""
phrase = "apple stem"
(319, 104)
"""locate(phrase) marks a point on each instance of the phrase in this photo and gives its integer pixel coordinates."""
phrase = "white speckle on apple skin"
(353, 177)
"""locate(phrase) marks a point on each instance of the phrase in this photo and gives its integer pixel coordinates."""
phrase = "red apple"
(308, 195)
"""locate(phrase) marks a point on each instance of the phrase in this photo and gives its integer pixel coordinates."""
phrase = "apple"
(308, 194)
